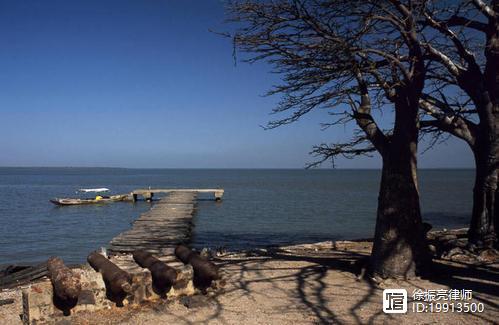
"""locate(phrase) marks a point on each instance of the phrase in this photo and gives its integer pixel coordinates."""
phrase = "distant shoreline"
(208, 168)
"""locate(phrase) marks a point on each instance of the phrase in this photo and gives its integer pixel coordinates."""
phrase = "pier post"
(148, 196)
(218, 195)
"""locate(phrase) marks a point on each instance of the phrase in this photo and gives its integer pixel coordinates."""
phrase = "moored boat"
(97, 200)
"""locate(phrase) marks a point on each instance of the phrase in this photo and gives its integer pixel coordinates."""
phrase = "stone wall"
(38, 306)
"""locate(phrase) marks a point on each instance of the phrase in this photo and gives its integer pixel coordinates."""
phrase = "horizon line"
(225, 168)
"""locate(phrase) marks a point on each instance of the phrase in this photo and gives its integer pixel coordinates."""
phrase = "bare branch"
(484, 8)
(455, 125)
(359, 146)
(463, 21)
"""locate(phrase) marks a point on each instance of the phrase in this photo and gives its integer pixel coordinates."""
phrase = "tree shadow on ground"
(350, 301)
(321, 286)
(309, 287)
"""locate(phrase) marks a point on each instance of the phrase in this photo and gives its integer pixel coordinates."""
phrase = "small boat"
(97, 200)
(94, 190)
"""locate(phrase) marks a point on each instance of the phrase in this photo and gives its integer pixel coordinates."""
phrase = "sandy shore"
(305, 284)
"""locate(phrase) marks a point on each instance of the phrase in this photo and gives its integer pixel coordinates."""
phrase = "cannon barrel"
(183, 253)
(118, 282)
(66, 284)
(163, 276)
(204, 270)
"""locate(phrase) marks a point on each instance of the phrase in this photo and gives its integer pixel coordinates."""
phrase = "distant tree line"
(434, 64)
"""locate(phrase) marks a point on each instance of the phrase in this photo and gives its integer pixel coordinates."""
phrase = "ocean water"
(259, 208)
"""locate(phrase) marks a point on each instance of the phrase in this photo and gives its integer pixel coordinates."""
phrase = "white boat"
(97, 199)
(93, 190)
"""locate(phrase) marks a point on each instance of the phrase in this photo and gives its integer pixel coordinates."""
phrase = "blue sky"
(146, 84)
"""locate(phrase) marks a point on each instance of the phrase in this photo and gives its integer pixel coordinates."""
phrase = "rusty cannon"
(163, 276)
(66, 285)
(204, 270)
(117, 281)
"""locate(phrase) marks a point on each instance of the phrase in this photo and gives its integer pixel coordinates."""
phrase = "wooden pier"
(167, 224)
(149, 193)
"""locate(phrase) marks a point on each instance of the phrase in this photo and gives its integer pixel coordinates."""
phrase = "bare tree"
(463, 38)
(352, 57)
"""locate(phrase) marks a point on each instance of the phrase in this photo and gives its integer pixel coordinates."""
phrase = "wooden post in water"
(148, 196)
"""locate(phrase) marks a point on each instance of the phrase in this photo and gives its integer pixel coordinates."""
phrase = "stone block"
(38, 307)
(37, 302)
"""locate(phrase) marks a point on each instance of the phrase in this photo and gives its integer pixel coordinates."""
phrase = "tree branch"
(484, 9)
(462, 21)
(455, 125)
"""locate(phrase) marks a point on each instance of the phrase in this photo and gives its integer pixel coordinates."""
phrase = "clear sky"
(144, 83)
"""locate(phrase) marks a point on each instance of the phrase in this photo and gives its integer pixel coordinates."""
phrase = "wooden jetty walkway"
(160, 229)
(149, 193)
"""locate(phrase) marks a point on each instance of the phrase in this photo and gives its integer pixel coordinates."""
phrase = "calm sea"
(260, 207)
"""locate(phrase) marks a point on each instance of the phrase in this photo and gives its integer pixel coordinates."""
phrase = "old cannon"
(163, 276)
(204, 270)
(117, 281)
(66, 284)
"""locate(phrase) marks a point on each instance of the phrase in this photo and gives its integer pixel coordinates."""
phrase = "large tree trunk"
(482, 229)
(496, 218)
(399, 248)
(399, 242)
(492, 111)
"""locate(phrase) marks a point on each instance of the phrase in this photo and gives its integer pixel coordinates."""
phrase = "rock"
(64, 322)
(432, 249)
(427, 227)
(452, 252)
(461, 243)
(196, 301)
(205, 252)
(463, 258)
(489, 256)
(6, 301)
(447, 237)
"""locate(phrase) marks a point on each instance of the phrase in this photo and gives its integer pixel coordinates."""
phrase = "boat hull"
(69, 201)
(76, 201)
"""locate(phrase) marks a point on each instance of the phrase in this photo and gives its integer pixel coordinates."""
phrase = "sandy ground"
(305, 285)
